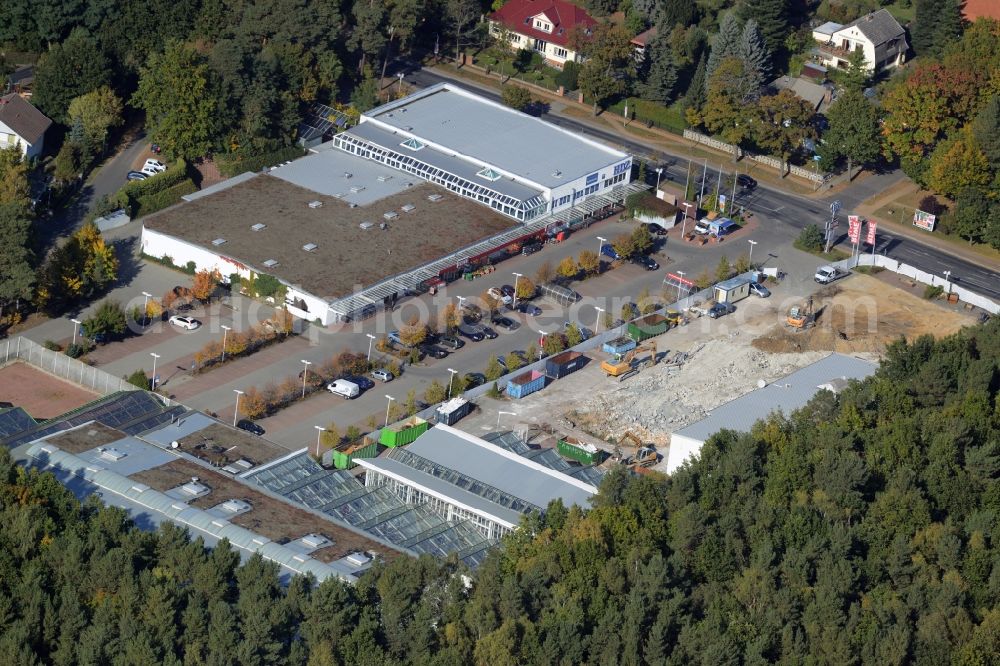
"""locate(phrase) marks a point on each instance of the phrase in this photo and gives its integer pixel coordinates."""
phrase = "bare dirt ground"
(864, 314)
(270, 517)
(726, 359)
(42, 395)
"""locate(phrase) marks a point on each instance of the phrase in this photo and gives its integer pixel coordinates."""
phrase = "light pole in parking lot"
(371, 339)
(225, 333)
(600, 312)
(517, 276)
(388, 406)
(684, 222)
(153, 381)
(750, 259)
(947, 277)
(602, 241)
(499, 414)
(76, 327)
(305, 374)
(319, 433)
(659, 171)
(451, 380)
(461, 302)
(145, 302)
(236, 414)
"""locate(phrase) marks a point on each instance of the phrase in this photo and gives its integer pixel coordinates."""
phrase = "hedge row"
(135, 189)
(150, 203)
(231, 165)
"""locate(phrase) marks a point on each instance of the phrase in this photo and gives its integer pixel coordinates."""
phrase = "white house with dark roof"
(22, 124)
(878, 35)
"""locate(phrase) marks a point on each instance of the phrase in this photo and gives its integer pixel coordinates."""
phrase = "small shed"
(451, 411)
(732, 290)
(526, 384)
(404, 432)
(562, 364)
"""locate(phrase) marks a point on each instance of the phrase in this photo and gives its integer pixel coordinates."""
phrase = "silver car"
(758, 289)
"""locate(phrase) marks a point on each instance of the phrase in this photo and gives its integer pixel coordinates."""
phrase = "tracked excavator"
(622, 365)
(801, 318)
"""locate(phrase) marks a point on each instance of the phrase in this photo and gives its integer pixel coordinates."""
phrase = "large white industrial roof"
(784, 395)
(485, 131)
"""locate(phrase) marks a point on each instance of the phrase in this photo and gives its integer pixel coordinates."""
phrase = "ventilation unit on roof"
(348, 174)
(218, 241)
(408, 184)
(557, 174)
(366, 225)
(352, 205)
(391, 215)
(270, 263)
(408, 208)
(235, 506)
(358, 559)
(260, 226)
(112, 454)
(434, 197)
(315, 204)
(357, 188)
(383, 226)
(383, 178)
(194, 489)
(309, 247)
(315, 541)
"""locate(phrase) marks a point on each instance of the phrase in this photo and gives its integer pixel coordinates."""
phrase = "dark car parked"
(721, 310)
(249, 426)
(504, 323)
(471, 333)
(489, 333)
(434, 351)
(451, 342)
(746, 182)
(364, 383)
(474, 379)
(529, 309)
(646, 262)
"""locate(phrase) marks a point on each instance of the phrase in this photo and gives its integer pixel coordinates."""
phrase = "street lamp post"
(461, 302)
(76, 327)
(236, 414)
(517, 276)
(319, 433)
(602, 241)
(387, 407)
(451, 380)
(499, 414)
(145, 303)
(680, 274)
(305, 374)
(600, 311)
(947, 276)
(371, 339)
(684, 222)
(225, 333)
(752, 243)
(659, 171)
(399, 91)
(155, 356)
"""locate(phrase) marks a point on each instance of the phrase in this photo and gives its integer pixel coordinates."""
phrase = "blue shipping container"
(526, 384)
(618, 345)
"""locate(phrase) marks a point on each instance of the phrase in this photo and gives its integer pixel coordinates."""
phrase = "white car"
(190, 323)
(156, 166)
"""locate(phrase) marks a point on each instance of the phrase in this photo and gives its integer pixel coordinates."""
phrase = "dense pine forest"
(860, 530)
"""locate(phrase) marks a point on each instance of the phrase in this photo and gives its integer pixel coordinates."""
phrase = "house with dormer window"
(877, 35)
(544, 26)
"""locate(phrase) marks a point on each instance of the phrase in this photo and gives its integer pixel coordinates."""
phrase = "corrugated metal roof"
(784, 395)
(496, 135)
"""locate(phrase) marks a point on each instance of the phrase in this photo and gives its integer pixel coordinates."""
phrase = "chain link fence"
(60, 365)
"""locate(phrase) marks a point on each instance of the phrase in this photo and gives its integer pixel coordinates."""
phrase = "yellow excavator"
(801, 318)
(622, 365)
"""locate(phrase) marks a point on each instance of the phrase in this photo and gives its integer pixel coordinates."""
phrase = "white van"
(344, 388)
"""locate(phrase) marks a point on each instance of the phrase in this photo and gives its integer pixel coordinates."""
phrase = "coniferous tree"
(725, 45)
(754, 54)
(661, 76)
(771, 16)
(696, 92)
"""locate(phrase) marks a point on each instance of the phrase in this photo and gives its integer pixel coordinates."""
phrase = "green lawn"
(666, 117)
(538, 74)
(903, 14)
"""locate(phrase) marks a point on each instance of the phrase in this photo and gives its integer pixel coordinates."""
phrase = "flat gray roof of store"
(489, 132)
(454, 164)
(324, 171)
(784, 395)
(506, 471)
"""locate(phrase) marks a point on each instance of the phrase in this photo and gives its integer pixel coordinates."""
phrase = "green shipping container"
(345, 454)
(648, 327)
(588, 454)
(401, 434)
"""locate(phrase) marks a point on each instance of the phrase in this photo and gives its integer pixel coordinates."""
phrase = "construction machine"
(622, 366)
(801, 318)
(645, 455)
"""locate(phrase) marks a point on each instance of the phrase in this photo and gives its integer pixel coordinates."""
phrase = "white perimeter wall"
(157, 244)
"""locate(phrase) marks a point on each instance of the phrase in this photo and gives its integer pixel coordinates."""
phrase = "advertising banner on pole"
(854, 228)
(923, 220)
(722, 203)
(870, 239)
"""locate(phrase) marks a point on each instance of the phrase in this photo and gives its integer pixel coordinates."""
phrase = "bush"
(810, 240)
(52, 345)
(494, 391)
(150, 203)
(129, 195)
(139, 379)
(932, 292)
(109, 319)
(516, 97)
(75, 350)
(569, 76)
(233, 165)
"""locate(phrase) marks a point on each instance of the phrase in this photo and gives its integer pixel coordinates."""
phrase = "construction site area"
(705, 363)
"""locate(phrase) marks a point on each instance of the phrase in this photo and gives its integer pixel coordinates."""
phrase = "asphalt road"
(790, 211)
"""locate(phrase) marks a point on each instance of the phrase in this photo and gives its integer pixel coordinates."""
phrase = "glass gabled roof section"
(489, 174)
(412, 144)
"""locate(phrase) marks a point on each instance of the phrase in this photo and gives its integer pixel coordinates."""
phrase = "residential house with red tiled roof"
(976, 9)
(545, 26)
